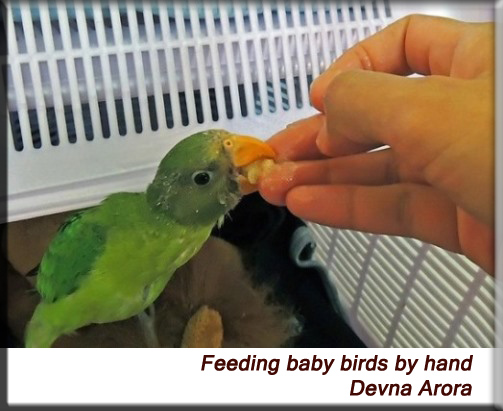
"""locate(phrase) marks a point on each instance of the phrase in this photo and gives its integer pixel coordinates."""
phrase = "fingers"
(374, 168)
(400, 209)
(341, 146)
(299, 141)
(365, 108)
(409, 114)
(413, 44)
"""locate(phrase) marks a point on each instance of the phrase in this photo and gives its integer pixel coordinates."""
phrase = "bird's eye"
(201, 178)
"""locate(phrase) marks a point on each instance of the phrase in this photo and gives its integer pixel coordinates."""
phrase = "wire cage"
(98, 91)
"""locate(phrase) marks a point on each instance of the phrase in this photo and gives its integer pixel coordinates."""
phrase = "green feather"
(111, 262)
(58, 276)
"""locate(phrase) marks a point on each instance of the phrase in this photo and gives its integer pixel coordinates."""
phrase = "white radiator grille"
(98, 91)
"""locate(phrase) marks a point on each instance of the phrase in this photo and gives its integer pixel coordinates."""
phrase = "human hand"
(433, 178)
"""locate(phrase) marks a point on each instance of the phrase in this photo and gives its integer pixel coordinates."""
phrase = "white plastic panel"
(99, 91)
(400, 292)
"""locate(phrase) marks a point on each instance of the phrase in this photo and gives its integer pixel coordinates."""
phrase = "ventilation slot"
(406, 293)
(93, 73)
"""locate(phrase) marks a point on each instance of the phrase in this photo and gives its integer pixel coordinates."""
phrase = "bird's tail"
(41, 332)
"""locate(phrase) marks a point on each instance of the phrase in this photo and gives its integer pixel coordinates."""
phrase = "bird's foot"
(147, 323)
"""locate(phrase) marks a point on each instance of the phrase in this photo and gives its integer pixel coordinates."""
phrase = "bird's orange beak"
(244, 151)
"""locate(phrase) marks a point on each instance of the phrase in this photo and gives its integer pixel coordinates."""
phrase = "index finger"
(414, 44)
(299, 141)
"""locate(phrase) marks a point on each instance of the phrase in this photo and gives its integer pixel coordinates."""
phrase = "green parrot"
(110, 262)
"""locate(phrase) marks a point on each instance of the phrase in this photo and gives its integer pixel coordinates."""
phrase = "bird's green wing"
(70, 256)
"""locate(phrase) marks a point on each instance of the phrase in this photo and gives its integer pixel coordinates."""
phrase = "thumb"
(373, 109)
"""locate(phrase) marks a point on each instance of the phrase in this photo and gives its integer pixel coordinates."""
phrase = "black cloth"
(263, 233)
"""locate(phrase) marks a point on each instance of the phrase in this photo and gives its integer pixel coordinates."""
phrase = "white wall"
(462, 10)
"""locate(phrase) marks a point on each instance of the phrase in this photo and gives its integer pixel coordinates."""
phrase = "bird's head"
(205, 175)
